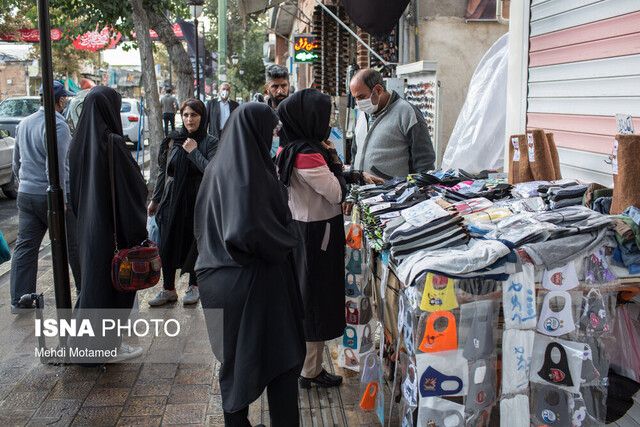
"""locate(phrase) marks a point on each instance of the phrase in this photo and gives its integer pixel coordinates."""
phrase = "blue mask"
(354, 265)
(432, 380)
(350, 338)
(351, 288)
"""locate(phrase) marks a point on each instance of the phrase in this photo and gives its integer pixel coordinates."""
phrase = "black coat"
(213, 114)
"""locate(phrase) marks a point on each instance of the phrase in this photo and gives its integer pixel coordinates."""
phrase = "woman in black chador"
(184, 154)
(247, 282)
(92, 205)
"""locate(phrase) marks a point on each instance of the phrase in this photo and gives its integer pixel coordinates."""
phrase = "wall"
(458, 46)
(17, 73)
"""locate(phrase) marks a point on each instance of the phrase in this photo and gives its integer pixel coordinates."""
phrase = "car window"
(126, 107)
(19, 107)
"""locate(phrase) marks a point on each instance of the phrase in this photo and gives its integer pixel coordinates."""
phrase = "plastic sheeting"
(478, 138)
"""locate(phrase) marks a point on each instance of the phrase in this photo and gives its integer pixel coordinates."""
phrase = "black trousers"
(169, 278)
(282, 393)
(169, 118)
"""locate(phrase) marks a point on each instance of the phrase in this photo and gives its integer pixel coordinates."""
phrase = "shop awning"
(376, 17)
(251, 6)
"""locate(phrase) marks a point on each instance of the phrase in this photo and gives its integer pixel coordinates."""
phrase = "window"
(19, 107)
(126, 107)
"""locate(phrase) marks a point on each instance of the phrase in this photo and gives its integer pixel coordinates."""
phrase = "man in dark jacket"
(220, 109)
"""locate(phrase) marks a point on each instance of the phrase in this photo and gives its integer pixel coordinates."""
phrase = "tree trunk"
(179, 58)
(154, 109)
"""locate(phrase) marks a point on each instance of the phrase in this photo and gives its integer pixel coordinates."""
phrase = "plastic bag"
(153, 230)
(625, 355)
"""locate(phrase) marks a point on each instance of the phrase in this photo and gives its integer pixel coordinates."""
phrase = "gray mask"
(370, 370)
(367, 340)
(365, 311)
(482, 389)
(480, 343)
(552, 407)
(434, 418)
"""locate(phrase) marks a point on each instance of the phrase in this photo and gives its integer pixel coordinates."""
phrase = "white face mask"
(366, 105)
(224, 94)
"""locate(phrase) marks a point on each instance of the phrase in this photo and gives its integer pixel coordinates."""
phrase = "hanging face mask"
(355, 262)
(514, 411)
(517, 348)
(350, 359)
(438, 294)
(366, 288)
(594, 314)
(556, 323)
(366, 105)
(560, 279)
(444, 340)
(518, 300)
(400, 313)
(407, 419)
(482, 389)
(435, 418)
(354, 238)
(366, 313)
(410, 386)
(432, 381)
(352, 312)
(479, 343)
(589, 372)
(350, 337)
(552, 407)
(408, 332)
(351, 286)
(367, 339)
(370, 370)
(556, 372)
(480, 419)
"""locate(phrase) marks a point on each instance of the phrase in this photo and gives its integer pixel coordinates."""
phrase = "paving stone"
(197, 393)
(24, 400)
(158, 370)
(214, 420)
(97, 416)
(184, 413)
(138, 406)
(58, 408)
(14, 417)
(152, 387)
(107, 397)
(77, 373)
(39, 380)
(214, 407)
(120, 367)
(139, 421)
(116, 379)
(72, 390)
(49, 422)
(196, 365)
(5, 389)
(194, 376)
(12, 375)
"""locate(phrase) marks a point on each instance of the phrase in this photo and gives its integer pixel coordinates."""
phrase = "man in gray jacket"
(391, 135)
(30, 168)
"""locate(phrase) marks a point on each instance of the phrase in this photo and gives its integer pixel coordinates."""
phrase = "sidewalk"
(174, 382)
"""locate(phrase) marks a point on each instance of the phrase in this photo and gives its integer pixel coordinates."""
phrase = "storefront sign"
(305, 48)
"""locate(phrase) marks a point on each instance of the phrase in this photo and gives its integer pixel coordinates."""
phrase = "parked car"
(13, 110)
(129, 113)
(7, 179)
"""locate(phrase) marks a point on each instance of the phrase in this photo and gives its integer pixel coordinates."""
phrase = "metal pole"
(416, 20)
(197, 59)
(57, 231)
(222, 39)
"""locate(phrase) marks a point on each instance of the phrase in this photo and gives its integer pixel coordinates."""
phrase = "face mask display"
(556, 372)
(514, 411)
(368, 401)
(355, 262)
(597, 268)
(400, 313)
(350, 359)
(480, 418)
(438, 294)
(354, 238)
(352, 312)
(407, 419)
(556, 323)
(519, 300)
(560, 279)
(366, 313)
(351, 286)
(432, 381)
(350, 337)
(437, 412)
(480, 343)
(366, 105)
(444, 340)
(517, 348)
(594, 314)
(589, 372)
(408, 332)
(482, 388)
(410, 386)
(370, 370)
(552, 407)
(367, 339)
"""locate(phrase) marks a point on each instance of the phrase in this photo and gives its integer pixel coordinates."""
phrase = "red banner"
(30, 35)
(94, 40)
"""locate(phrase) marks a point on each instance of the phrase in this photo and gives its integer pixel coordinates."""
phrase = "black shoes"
(21, 308)
(324, 379)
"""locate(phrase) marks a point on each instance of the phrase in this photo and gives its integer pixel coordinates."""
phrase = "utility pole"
(222, 41)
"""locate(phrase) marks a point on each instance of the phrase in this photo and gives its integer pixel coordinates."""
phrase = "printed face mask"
(352, 312)
(365, 311)
(408, 332)
(350, 337)
(351, 287)
(518, 300)
(400, 313)
(560, 279)
(430, 417)
(410, 386)
(556, 323)
(588, 372)
(439, 294)
(370, 369)
(444, 340)
(367, 339)
(480, 419)
(597, 269)
(432, 381)
(594, 315)
(355, 262)
(556, 372)
(350, 358)
(407, 419)
(354, 238)
(552, 407)
(482, 389)
(480, 344)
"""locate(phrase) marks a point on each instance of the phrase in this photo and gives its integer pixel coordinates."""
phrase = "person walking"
(219, 110)
(169, 107)
(246, 274)
(183, 157)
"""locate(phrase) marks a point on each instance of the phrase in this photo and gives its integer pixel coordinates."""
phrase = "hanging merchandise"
(480, 419)
(351, 286)
(594, 313)
(350, 359)
(352, 312)
(596, 268)
(366, 313)
(518, 300)
(355, 261)
(589, 372)
(442, 374)
(370, 368)
(480, 343)
(367, 339)
(552, 407)
(350, 337)
(560, 279)
(408, 330)
(354, 238)
(517, 346)
(410, 385)
(556, 372)
(366, 288)
(482, 386)
(557, 362)
(438, 294)
(514, 412)
(407, 418)
(434, 411)
(368, 401)
(443, 340)
(401, 312)
(556, 323)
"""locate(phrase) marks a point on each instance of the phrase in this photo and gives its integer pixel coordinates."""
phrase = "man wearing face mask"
(277, 87)
(220, 109)
(392, 139)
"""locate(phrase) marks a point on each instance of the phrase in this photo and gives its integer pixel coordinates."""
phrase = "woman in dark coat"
(91, 202)
(189, 151)
(249, 291)
(312, 171)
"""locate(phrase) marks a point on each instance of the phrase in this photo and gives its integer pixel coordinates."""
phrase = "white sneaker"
(192, 295)
(126, 352)
(163, 297)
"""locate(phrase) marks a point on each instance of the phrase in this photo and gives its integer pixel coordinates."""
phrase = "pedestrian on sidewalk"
(245, 271)
(91, 202)
(31, 171)
(169, 107)
(183, 156)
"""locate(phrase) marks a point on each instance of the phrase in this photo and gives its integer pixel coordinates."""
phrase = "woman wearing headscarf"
(312, 172)
(247, 282)
(184, 155)
(89, 179)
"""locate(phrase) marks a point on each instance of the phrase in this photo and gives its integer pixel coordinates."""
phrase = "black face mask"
(556, 373)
